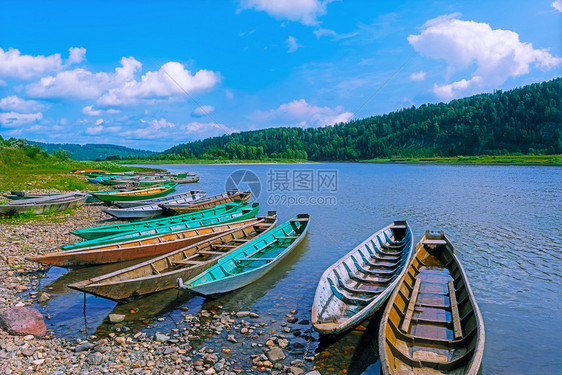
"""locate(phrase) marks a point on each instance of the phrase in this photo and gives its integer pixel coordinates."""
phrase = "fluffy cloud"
(299, 112)
(14, 103)
(15, 65)
(172, 79)
(202, 110)
(557, 4)
(292, 44)
(208, 129)
(419, 76)
(498, 54)
(90, 111)
(304, 11)
(15, 119)
(83, 84)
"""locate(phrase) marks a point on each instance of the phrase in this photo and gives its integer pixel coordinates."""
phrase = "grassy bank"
(22, 169)
(481, 159)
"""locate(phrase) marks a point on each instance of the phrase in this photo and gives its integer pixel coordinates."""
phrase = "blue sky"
(151, 75)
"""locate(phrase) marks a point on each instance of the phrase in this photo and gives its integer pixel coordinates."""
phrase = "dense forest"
(93, 151)
(525, 120)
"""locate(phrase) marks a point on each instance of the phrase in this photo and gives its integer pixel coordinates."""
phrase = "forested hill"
(525, 120)
(93, 151)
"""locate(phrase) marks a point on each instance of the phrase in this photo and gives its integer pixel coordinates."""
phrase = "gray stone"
(242, 314)
(95, 359)
(83, 347)
(296, 370)
(275, 354)
(315, 372)
(116, 318)
(160, 337)
(283, 343)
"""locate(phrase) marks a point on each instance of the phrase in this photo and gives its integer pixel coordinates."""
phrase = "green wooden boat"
(245, 213)
(136, 195)
(250, 261)
(110, 230)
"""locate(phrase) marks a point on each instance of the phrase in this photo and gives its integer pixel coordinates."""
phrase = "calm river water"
(503, 220)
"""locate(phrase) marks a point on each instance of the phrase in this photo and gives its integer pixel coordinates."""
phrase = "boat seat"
(435, 242)
(253, 259)
(223, 246)
(187, 262)
(240, 240)
(350, 300)
(457, 329)
(251, 255)
(411, 305)
(207, 252)
(351, 289)
(370, 272)
(298, 220)
(287, 237)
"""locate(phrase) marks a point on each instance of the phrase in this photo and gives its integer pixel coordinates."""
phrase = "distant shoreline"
(547, 160)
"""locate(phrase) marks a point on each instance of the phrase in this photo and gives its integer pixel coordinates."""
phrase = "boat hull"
(181, 209)
(161, 273)
(432, 323)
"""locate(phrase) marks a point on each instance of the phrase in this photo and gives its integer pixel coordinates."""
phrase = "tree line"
(525, 120)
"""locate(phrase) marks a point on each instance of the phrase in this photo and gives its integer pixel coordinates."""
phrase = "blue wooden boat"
(110, 230)
(357, 285)
(251, 261)
(245, 212)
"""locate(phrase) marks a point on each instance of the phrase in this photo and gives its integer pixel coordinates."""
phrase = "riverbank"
(120, 346)
(481, 159)
(221, 162)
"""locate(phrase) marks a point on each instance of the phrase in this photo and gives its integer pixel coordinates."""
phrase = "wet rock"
(83, 347)
(231, 338)
(315, 372)
(296, 370)
(254, 315)
(242, 314)
(43, 297)
(160, 337)
(22, 321)
(116, 318)
(95, 359)
(283, 343)
(275, 355)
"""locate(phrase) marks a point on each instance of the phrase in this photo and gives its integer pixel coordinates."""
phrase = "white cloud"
(83, 84)
(320, 32)
(208, 129)
(557, 4)
(229, 94)
(90, 111)
(172, 79)
(15, 119)
(292, 44)
(304, 11)
(498, 54)
(15, 65)
(419, 76)
(300, 113)
(76, 54)
(93, 130)
(202, 110)
(14, 103)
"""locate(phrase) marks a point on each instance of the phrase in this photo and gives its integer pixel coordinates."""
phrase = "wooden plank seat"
(457, 329)
(410, 310)
(208, 252)
(352, 290)
(345, 297)
(187, 262)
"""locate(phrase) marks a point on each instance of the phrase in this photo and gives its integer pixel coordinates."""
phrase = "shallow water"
(503, 220)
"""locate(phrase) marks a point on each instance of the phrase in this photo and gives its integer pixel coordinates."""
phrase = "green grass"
(480, 159)
(49, 216)
(20, 170)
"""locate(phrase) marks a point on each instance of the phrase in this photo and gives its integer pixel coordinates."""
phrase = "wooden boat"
(44, 204)
(186, 197)
(134, 195)
(357, 285)
(432, 324)
(186, 180)
(84, 171)
(110, 230)
(17, 195)
(204, 203)
(134, 249)
(245, 212)
(162, 272)
(250, 261)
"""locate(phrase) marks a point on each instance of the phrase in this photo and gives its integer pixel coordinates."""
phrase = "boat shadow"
(353, 352)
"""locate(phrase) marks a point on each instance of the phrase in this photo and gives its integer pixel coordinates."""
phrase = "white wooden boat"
(44, 204)
(357, 285)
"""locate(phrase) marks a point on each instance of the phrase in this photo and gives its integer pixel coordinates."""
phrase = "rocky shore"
(268, 345)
